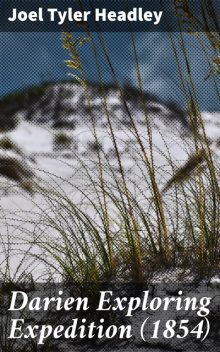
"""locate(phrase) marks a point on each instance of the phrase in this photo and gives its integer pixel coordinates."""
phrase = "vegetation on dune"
(14, 169)
(18, 100)
(62, 139)
(94, 146)
(6, 144)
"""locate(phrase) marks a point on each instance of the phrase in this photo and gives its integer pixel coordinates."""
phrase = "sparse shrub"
(127, 123)
(62, 139)
(7, 144)
(15, 170)
(94, 146)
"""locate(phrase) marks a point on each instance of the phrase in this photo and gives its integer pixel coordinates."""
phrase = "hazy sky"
(28, 59)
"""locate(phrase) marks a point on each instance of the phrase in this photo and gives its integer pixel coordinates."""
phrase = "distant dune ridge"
(62, 104)
(56, 121)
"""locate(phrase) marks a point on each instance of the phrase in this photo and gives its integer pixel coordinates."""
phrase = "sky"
(28, 59)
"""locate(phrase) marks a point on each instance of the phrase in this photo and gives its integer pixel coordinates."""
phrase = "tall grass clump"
(207, 33)
(125, 227)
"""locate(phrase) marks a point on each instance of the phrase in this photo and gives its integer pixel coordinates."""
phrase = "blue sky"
(28, 59)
